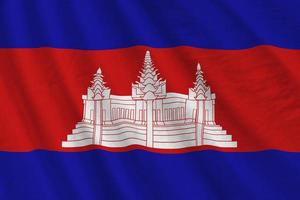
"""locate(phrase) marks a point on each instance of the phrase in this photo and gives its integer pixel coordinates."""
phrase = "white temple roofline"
(176, 95)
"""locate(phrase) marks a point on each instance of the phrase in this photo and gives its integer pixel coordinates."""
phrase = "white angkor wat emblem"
(150, 116)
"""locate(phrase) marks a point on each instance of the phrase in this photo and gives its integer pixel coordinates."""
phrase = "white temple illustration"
(150, 116)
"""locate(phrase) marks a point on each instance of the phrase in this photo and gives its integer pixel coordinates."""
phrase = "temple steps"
(175, 145)
(212, 127)
(215, 132)
(218, 137)
(80, 136)
(84, 124)
(123, 136)
(172, 127)
(117, 129)
(82, 129)
(77, 143)
(164, 137)
(173, 132)
(124, 143)
(174, 138)
(232, 144)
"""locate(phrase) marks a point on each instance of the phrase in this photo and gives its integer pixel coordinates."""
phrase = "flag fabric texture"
(149, 99)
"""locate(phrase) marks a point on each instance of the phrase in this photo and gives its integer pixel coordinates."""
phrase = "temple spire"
(198, 67)
(98, 85)
(148, 60)
(149, 84)
(200, 84)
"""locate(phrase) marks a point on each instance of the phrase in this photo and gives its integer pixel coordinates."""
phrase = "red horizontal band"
(258, 92)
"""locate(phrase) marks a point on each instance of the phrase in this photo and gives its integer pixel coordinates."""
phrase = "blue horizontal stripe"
(144, 175)
(94, 24)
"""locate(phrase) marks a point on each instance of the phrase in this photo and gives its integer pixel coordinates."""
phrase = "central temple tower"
(148, 93)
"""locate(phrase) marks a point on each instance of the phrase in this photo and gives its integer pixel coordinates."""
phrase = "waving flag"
(149, 99)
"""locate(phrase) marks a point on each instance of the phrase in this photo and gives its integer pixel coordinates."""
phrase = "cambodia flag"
(145, 99)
